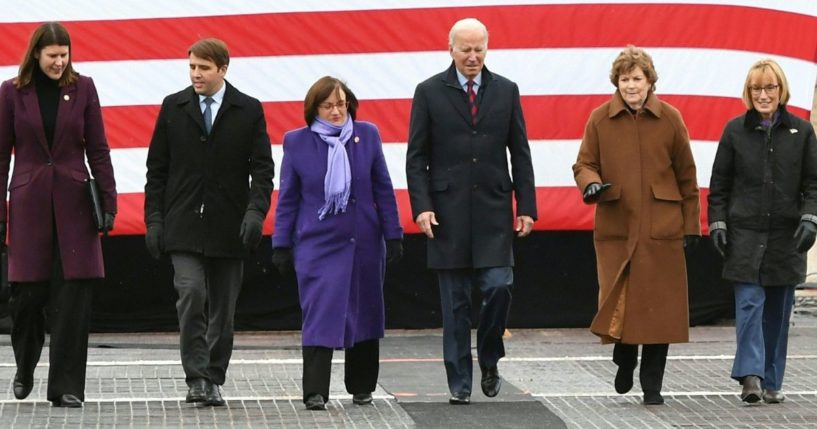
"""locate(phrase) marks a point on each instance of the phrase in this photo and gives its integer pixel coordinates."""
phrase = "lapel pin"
(66, 97)
(357, 139)
(793, 130)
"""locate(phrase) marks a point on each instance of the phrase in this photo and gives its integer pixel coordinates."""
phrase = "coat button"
(474, 132)
(352, 200)
(351, 240)
(203, 138)
(474, 160)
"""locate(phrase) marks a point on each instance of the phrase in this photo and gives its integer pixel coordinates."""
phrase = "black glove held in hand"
(719, 240)
(805, 235)
(154, 240)
(109, 218)
(251, 229)
(282, 259)
(593, 191)
(394, 251)
(691, 241)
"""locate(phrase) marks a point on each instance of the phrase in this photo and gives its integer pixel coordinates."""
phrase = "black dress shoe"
(197, 391)
(624, 379)
(362, 398)
(315, 402)
(22, 385)
(214, 397)
(68, 400)
(460, 399)
(653, 397)
(491, 382)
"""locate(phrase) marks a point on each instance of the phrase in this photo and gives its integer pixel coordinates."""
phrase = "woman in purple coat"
(51, 119)
(337, 222)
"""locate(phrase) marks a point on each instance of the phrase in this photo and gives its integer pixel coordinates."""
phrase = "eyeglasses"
(770, 89)
(341, 105)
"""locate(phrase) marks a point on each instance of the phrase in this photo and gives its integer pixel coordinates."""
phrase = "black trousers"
(361, 368)
(653, 362)
(495, 283)
(65, 306)
(208, 289)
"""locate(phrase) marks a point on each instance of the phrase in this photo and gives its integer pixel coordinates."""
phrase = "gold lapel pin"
(357, 139)
(66, 97)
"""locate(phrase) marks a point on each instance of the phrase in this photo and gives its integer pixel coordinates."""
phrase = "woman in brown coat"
(636, 164)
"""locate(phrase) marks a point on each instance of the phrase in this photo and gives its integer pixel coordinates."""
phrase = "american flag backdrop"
(559, 52)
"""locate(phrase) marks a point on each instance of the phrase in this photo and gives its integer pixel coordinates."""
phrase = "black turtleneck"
(48, 95)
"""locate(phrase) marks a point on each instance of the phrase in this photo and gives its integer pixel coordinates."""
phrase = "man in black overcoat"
(209, 182)
(464, 123)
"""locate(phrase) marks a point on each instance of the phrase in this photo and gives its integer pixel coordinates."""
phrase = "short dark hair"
(47, 34)
(320, 91)
(213, 50)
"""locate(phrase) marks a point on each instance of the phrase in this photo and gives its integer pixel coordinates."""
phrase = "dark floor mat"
(511, 415)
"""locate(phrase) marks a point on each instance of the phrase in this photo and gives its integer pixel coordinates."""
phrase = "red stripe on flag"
(520, 26)
(547, 117)
(560, 209)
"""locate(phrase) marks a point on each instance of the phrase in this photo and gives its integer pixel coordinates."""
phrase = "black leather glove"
(593, 191)
(282, 259)
(719, 240)
(805, 235)
(109, 218)
(154, 240)
(251, 229)
(394, 251)
(691, 241)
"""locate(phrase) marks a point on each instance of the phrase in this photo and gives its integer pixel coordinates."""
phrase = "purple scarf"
(338, 180)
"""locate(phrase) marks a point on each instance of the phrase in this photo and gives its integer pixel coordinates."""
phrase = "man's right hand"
(424, 221)
(154, 240)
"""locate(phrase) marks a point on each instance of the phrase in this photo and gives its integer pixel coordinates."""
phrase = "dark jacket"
(761, 185)
(49, 183)
(198, 185)
(460, 170)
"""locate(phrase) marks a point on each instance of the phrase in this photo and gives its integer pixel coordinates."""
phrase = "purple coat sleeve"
(384, 195)
(289, 195)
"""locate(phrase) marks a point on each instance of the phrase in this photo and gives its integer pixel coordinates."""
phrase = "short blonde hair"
(630, 58)
(759, 68)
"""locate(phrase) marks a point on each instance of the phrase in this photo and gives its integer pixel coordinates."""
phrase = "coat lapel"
(65, 108)
(456, 96)
(193, 110)
(485, 94)
(29, 96)
(227, 102)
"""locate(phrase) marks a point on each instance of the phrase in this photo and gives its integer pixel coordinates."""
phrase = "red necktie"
(472, 101)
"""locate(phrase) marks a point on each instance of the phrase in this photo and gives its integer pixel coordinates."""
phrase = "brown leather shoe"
(773, 396)
(751, 392)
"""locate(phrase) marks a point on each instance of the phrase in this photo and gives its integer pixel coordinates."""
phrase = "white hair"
(467, 24)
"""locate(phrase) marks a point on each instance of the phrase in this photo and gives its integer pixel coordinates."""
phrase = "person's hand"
(691, 241)
(154, 240)
(424, 221)
(282, 259)
(524, 224)
(805, 234)
(251, 229)
(593, 191)
(394, 251)
(719, 240)
(109, 218)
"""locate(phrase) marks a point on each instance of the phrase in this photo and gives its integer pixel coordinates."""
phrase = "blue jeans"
(762, 327)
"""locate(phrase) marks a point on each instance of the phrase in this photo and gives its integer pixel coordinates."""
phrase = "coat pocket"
(611, 217)
(666, 214)
(20, 179)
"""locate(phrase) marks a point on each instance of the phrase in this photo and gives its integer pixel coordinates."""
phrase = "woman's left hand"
(109, 218)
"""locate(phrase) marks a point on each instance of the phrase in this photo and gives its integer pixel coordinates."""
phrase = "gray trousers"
(208, 289)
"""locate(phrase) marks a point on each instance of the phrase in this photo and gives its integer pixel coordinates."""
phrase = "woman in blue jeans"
(763, 220)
